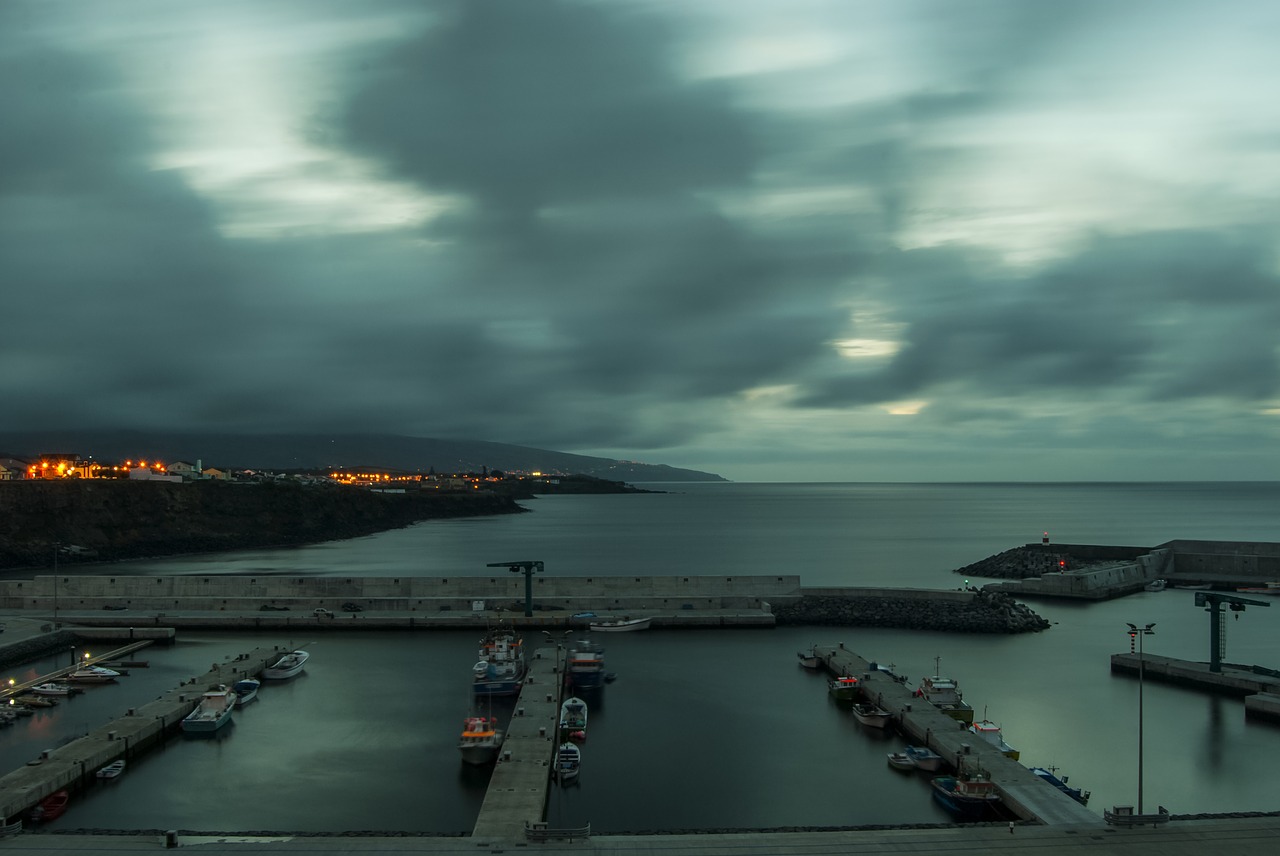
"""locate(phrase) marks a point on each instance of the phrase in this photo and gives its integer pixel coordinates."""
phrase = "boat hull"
(211, 714)
(287, 666)
(961, 806)
(624, 626)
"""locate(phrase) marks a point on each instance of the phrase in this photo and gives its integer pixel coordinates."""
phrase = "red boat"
(51, 807)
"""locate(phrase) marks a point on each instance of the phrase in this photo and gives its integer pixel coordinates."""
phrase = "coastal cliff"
(115, 520)
(982, 612)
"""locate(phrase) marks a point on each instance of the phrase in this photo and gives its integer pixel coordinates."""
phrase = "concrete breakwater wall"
(911, 609)
(1033, 560)
(491, 589)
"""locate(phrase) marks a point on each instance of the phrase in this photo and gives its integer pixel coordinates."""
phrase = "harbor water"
(705, 729)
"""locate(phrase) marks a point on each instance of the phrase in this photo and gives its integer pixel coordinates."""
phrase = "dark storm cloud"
(1163, 315)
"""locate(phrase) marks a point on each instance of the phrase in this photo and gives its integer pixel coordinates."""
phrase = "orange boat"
(51, 807)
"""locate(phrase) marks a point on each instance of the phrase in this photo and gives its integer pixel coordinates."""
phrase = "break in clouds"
(728, 236)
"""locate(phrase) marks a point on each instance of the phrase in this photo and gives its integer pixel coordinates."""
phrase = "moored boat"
(966, 797)
(585, 665)
(54, 689)
(990, 732)
(870, 715)
(286, 666)
(1076, 794)
(481, 739)
(901, 761)
(501, 667)
(621, 626)
(112, 770)
(211, 713)
(568, 762)
(573, 719)
(810, 661)
(1156, 585)
(944, 694)
(92, 675)
(844, 688)
(51, 807)
(246, 690)
(924, 758)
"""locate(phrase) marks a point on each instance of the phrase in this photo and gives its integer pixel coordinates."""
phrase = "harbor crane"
(1212, 602)
(529, 569)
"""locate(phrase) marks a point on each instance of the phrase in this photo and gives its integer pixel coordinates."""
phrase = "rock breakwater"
(982, 612)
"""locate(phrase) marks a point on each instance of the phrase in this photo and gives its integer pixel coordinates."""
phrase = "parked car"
(113, 606)
(271, 607)
(321, 612)
(352, 607)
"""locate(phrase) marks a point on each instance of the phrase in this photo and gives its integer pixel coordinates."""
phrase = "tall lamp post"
(1136, 632)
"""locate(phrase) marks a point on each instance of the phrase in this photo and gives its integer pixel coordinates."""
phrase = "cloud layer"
(844, 241)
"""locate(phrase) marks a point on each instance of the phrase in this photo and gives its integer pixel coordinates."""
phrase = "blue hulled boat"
(501, 666)
(968, 797)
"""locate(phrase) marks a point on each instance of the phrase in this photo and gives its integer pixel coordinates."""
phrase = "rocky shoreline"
(985, 612)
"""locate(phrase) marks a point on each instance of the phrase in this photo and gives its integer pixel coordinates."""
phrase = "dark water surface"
(708, 729)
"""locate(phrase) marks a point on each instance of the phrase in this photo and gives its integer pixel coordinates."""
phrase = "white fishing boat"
(573, 719)
(901, 761)
(621, 626)
(990, 732)
(1156, 585)
(246, 691)
(111, 771)
(286, 666)
(92, 675)
(481, 739)
(53, 689)
(810, 661)
(212, 712)
(568, 762)
(870, 715)
(944, 694)
(501, 668)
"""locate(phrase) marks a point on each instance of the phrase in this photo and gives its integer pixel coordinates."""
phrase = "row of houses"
(61, 465)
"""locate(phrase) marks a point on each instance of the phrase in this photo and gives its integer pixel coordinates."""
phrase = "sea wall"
(1033, 560)
(911, 609)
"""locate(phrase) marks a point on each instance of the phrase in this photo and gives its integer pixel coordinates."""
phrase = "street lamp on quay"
(1136, 632)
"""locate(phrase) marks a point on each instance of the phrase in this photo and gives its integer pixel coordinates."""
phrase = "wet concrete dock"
(518, 791)
(1023, 792)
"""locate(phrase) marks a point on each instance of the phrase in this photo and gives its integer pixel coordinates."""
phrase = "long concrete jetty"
(73, 764)
(517, 796)
(1023, 792)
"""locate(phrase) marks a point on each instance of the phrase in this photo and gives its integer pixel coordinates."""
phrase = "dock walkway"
(73, 764)
(1023, 792)
(518, 791)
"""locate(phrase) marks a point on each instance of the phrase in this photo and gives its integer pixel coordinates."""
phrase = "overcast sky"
(848, 240)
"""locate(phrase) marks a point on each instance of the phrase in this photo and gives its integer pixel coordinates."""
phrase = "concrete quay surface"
(1223, 837)
(1022, 792)
(517, 792)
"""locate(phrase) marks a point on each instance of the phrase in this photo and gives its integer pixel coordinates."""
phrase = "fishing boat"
(584, 668)
(1156, 585)
(573, 719)
(111, 771)
(92, 675)
(811, 661)
(246, 690)
(568, 762)
(621, 626)
(901, 761)
(843, 689)
(944, 694)
(501, 667)
(966, 797)
(1122, 815)
(990, 732)
(481, 739)
(924, 758)
(54, 689)
(1047, 774)
(286, 666)
(51, 807)
(211, 713)
(870, 715)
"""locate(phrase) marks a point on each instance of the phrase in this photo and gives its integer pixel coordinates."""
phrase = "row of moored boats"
(969, 794)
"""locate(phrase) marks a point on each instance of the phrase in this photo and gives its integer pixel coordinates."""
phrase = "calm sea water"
(365, 739)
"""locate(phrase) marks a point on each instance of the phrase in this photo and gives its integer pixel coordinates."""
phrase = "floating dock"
(1024, 793)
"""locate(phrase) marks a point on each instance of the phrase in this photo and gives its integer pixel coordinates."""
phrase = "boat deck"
(1023, 792)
